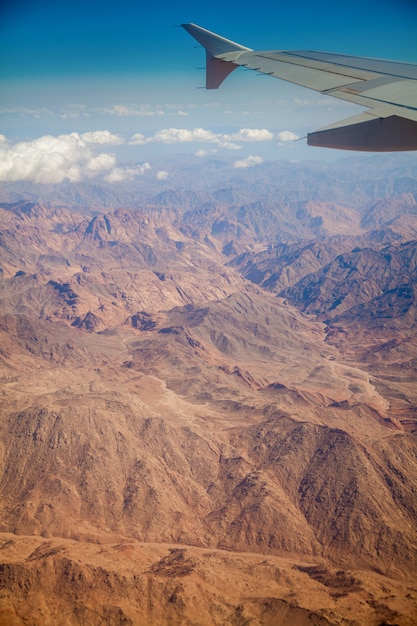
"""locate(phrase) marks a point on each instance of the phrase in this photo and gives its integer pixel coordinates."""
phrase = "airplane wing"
(387, 89)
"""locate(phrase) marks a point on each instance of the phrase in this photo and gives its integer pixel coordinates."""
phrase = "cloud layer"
(76, 157)
(201, 135)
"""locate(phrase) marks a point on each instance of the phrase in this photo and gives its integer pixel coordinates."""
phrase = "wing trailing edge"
(378, 134)
(387, 89)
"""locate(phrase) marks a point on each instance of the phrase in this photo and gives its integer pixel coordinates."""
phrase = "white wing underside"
(387, 89)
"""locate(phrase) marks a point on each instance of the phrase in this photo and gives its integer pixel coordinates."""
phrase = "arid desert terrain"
(209, 399)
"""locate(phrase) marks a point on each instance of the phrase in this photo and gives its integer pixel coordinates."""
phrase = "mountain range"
(209, 408)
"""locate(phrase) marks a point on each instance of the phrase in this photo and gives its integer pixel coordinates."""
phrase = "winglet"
(217, 69)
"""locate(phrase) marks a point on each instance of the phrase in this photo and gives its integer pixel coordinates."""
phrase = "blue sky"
(81, 66)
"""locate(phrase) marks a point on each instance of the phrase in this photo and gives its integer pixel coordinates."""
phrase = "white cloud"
(53, 159)
(162, 175)
(201, 135)
(250, 161)
(286, 136)
(196, 135)
(72, 111)
(119, 174)
(182, 135)
(102, 137)
(137, 139)
(101, 162)
(22, 111)
(143, 110)
(252, 134)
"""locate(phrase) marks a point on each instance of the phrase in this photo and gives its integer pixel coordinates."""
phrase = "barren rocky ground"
(205, 423)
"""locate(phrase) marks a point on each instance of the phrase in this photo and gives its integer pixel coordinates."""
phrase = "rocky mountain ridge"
(203, 423)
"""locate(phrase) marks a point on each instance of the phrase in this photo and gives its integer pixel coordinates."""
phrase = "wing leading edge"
(387, 89)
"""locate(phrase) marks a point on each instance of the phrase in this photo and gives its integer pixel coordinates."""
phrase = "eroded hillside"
(183, 446)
